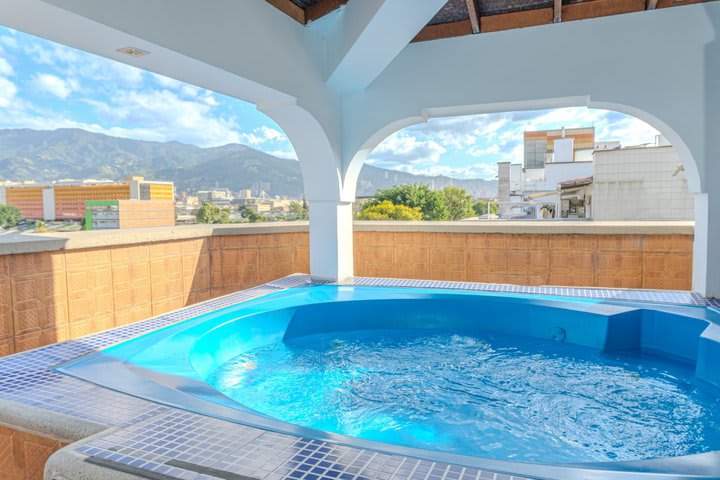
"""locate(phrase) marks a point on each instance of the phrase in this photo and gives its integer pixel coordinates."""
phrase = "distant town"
(565, 174)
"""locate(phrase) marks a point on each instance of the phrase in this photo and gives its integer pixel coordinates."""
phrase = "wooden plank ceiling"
(467, 17)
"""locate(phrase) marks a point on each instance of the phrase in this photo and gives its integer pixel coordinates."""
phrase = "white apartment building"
(640, 183)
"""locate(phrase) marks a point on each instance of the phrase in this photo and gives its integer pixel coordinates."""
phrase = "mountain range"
(42, 155)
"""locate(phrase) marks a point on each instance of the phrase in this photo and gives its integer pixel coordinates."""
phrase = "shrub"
(431, 203)
(9, 216)
(211, 213)
(481, 207)
(386, 210)
(458, 202)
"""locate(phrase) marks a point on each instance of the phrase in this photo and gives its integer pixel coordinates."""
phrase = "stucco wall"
(640, 184)
(61, 287)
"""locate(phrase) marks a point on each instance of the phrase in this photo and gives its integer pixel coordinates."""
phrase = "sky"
(45, 86)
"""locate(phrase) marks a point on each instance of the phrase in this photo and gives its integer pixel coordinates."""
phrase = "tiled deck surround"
(60, 290)
(155, 441)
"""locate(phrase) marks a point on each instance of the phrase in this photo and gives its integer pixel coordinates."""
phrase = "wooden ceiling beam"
(494, 23)
(473, 8)
(600, 8)
(322, 8)
(507, 21)
(444, 30)
(289, 9)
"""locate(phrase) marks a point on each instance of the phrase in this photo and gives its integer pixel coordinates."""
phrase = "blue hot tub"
(541, 386)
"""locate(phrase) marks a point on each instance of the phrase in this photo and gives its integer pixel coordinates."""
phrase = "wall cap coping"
(15, 243)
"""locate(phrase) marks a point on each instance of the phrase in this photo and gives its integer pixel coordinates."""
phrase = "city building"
(260, 188)
(220, 196)
(645, 182)
(530, 189)
(65, 199)
(245, 193)
(640, 183)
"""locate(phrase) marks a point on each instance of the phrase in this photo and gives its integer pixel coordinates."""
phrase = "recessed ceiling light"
(132, 51)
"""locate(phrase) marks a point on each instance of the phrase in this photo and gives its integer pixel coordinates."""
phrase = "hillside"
(72, 153)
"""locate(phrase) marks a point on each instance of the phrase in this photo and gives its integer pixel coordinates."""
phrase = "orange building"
(70, 199)
(65, 200)
(27, 199)
(540, 145)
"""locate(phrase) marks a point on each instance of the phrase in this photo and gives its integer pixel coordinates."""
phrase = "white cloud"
(271, 134)
(190, 91)
(482, 152)
(460, 132)
(250, 139)
(5, 68)
(54, 85)
(167, 82)
(170, 117)
(8, 90)
(209, 99)
(262, 135)
(288, 153)
(125, 75)
(9, 41)
(402, 148)
(480, 170)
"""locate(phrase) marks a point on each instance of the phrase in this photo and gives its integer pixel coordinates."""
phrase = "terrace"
(339, 77)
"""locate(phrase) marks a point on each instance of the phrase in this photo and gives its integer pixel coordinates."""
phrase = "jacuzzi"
(547, 387)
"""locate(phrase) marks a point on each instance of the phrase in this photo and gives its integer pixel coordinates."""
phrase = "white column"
(331, 240)
(700, 245)
(706, 247)
(48, 200)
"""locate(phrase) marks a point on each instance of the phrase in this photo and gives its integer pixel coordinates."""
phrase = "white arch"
(355, 164)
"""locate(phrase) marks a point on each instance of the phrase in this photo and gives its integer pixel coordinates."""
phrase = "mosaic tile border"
(27, 378)
(182, 445)
(650, 296)
(171, 443)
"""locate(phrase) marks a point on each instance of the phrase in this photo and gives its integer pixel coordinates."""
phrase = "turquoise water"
(492, 396)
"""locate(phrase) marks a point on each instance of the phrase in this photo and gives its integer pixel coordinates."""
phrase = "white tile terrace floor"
(158, 442)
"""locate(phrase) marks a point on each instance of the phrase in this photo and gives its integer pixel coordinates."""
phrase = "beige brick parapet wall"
(56, 287)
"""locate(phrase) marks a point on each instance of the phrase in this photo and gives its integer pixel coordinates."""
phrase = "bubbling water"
(489, 396)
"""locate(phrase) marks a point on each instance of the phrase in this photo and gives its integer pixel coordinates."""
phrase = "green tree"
(386, 210)
(431, 203)
(298, 211)
(481, 207)
(252, 216)
(211, 213)
(9, 216)
(458, 202)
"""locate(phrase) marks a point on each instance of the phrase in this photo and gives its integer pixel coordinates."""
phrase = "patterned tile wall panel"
(56, 296)
(53, 296)
(23, 455)
(40, 302)
(615, 261)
